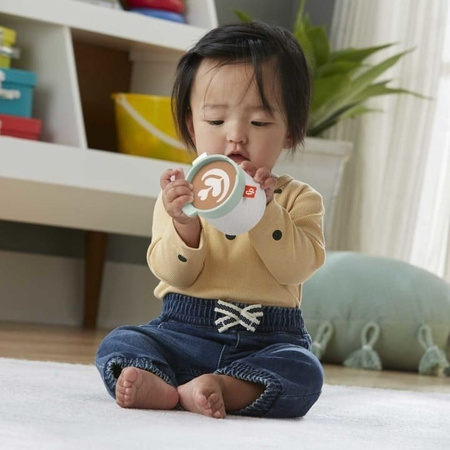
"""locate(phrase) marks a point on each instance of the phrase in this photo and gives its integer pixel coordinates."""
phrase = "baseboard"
(44, 289)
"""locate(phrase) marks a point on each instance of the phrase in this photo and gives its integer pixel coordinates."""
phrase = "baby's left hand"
(263, 176)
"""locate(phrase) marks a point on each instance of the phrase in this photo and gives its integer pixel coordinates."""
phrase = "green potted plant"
(342, 80)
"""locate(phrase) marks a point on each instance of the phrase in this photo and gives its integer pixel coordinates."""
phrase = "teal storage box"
(16, 92)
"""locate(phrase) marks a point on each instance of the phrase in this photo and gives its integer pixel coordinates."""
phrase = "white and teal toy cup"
(225, 195)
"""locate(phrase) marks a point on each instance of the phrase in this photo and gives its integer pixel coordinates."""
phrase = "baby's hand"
(176, 192)
(263, 176)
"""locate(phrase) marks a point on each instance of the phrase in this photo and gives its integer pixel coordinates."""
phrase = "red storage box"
(176, 6)
(20, 127)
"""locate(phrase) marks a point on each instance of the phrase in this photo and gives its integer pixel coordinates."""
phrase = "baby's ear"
(288, 142)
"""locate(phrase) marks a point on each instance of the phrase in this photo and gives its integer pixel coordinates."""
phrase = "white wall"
(281, 12)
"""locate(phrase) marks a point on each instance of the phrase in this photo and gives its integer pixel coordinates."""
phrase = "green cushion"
(405, 304)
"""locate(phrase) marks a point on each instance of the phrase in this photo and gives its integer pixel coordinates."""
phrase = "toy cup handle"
(189, 210)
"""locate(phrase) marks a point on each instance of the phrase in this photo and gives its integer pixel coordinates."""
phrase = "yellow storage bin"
(145, 128)
(7, 51)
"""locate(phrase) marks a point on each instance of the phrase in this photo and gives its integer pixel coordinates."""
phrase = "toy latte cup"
(225, 195)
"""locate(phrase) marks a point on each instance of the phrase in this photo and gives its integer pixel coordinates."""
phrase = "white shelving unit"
(60, 181)
(58, 185)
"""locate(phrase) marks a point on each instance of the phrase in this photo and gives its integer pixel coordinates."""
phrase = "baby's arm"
(170, 256)
(176, 192)
(289, 238)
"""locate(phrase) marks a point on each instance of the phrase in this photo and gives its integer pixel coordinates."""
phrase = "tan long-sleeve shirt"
(267, 265)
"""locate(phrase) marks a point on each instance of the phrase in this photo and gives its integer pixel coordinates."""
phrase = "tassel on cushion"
(434, 361)
(323, 336)
(366, 357)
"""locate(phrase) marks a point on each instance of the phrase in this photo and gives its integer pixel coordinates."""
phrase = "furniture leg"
(96, 244)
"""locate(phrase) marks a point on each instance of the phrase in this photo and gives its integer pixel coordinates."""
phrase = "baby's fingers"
(248, 167)
(269, 183)
(262, 174)
(170, 175)
(176, 189)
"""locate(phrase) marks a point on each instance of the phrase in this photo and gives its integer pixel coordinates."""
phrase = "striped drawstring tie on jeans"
(233, 315)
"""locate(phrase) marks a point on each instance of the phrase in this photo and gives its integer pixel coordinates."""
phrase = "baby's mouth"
(237, 158)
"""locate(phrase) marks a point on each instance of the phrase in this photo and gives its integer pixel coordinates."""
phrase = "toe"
(219, 415)
(129, 375)
(126, 384)
(215, 406)
(120, 400)
(218, 410)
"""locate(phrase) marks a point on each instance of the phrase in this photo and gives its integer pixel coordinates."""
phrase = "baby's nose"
(237, 135)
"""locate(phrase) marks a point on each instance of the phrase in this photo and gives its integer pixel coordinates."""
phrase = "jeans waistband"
(199, 311)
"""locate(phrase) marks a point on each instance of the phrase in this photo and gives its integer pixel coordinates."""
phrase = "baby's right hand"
(176, 192)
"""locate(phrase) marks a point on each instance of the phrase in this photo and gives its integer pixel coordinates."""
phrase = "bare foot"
(137, 388)
(203, 395)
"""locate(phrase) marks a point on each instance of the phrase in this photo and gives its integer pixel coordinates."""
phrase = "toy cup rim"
(233, 199)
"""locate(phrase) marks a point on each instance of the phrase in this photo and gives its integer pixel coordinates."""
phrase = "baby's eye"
(215, 122)
(258, 123)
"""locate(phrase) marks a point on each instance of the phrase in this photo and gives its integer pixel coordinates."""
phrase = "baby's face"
(228, 117)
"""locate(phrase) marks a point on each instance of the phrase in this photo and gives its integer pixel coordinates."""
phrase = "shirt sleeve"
(289, 239)
(168, 257)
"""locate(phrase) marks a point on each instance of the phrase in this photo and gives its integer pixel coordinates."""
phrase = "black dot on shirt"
(230, 237)
(278, 191)
(182, 258)
(277, 235)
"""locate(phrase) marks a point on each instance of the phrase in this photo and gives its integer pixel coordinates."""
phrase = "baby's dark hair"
(254, 43)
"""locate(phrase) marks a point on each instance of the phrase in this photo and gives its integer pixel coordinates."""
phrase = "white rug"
(64, 406)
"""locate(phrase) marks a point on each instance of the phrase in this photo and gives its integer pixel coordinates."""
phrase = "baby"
(231, 337)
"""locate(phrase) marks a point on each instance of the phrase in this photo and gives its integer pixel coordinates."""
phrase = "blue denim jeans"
(184, 343)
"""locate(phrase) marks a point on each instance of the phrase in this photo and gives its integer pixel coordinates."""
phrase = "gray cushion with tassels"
(373, 312)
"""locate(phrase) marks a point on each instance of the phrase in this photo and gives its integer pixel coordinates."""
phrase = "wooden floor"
(74, 345)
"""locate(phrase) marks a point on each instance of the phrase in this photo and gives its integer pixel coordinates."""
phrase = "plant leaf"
(349, 111)
(314, 129)
(243, 16)
(350, 94)
(299, 20)
(357, 110)
(381, 89)
(374, 72)
(356, 54)
(318, 38)
(302, 37)
(337, 68)
(326, 90)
